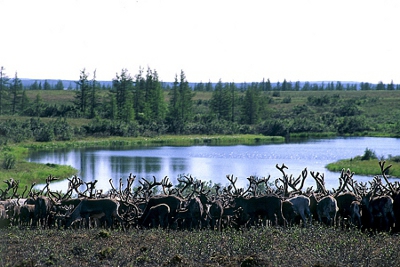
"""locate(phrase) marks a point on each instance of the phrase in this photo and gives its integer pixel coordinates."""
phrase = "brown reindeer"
(97, 208)
(157, 216)
(269, 207)
(379, 211)
(326, 209)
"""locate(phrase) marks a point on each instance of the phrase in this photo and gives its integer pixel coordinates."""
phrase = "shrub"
(9, 161)
(369, 154)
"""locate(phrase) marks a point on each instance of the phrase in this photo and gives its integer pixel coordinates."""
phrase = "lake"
(213, 163)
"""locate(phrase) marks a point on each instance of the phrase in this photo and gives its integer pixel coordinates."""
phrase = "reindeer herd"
(372, 206)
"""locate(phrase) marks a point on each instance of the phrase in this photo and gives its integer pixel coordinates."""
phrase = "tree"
(59, 85)
(139, 95)
(365, 86)
(181, 105)
(38, 105)
(199, 87)
(338, 86)
(24, 102)
(34, 86)
(155, 108)
(82, 93)
(254, 106)
(221, 101)
(285, 86)
(297, 86)
(122, 87)
(15, 90)
(251, 106)
(209, 86)
(390, 86)
(93, 98)
(3, 87)
(46, 85)
(380, 86)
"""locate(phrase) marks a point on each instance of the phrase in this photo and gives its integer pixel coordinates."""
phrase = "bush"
(9, 161)
(369, 154)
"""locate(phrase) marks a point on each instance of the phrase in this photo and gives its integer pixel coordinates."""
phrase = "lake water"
(213, 163)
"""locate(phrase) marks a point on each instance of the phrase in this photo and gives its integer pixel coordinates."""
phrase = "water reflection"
(215, 162)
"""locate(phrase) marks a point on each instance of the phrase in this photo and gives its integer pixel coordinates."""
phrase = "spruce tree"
(181, 104)
(3, 88)
(15, 90)
(221, 101)
(59, 85)
(155, 108)
(93, 98)
(122, 87)
(82, 93)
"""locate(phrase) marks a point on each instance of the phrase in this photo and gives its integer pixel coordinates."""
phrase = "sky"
(210, 40)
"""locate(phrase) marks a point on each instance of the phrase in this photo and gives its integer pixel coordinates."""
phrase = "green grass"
(160, 140)
(364, 167)
(29, 172)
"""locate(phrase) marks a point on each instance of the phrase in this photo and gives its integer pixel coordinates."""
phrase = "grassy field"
(364, 167)
(373, 104)
(312, 246)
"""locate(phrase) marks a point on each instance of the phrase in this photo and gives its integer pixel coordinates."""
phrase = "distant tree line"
(142, 105)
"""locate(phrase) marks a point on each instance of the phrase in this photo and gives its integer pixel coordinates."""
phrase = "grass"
(364, 167)
(314, 246)
(29, 172)
(246, 139)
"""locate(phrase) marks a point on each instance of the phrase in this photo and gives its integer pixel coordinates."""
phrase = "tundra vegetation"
(157, 223)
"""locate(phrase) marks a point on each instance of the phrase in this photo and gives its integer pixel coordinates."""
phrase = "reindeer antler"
(383, 172)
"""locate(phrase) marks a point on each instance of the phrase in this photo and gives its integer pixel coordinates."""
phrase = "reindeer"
(3, 213)
(215, 213)
(301, 206)
(326, 209)
(174, 202)
(345, 199)
(269, 207)
(288, 212)
(355, 214)
(378, 208)
(95, 207)
(394, 194)
(43, 207)
(27, 214)
(193, 214)
(157, 216)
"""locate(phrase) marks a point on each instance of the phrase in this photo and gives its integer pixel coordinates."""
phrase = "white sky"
(296, 40)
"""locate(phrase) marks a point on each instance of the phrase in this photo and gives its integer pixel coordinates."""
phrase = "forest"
(142, 105)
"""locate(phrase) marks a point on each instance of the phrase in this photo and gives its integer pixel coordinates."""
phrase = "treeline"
(142, 105)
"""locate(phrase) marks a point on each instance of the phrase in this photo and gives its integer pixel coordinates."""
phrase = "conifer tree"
(46, 85)
(82, 93)
(122, 87)
(59, 85)
(93, 98)
(221, 101)
(3, 87)
(15, 90)
(155, 108)
(181, 105)
(25, 103)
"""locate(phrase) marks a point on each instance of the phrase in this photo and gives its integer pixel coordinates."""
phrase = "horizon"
(296, 40)
(213, 82)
